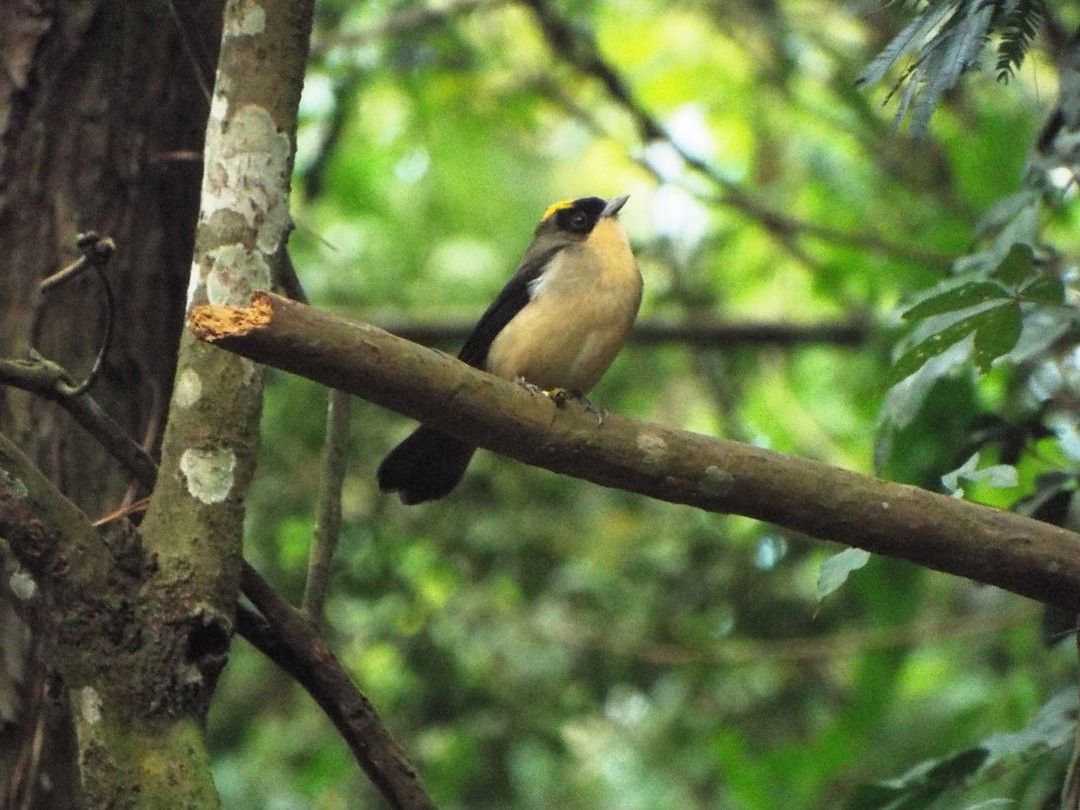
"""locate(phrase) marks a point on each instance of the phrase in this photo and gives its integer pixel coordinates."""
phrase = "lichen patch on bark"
(208, 472)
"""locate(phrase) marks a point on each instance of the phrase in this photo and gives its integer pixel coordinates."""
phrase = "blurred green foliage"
(537, 642)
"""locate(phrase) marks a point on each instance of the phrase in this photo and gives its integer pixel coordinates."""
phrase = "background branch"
(580, 50)
(328, 503)
(698, 332)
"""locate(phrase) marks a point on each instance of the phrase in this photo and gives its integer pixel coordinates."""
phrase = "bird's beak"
(613, 206)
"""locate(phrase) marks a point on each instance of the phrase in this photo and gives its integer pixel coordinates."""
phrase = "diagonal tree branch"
(998, 548)
(289, 638)
(51, 381)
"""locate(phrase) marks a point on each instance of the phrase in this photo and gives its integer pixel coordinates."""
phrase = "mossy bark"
(135, 622)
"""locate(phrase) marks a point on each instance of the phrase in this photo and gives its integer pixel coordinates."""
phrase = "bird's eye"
(579, 222)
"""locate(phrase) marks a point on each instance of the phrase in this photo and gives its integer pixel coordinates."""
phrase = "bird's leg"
(560, 396)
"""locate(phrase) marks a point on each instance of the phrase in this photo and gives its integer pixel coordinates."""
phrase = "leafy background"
(536, 641)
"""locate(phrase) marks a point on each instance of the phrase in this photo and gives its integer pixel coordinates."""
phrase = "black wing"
(508, 303)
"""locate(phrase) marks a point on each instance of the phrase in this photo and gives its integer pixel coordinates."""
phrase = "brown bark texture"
(102, 112)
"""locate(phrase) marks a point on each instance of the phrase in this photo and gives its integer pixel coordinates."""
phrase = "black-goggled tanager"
(557, 325)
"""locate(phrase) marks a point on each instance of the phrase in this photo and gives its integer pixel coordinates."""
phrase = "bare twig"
(196, 64)
(328, 504)
(97, 251)
(51, 381)
(578, 49)
(408, 19)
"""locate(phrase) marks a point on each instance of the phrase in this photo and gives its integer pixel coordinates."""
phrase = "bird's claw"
(560, 396)
(528, 386)
(595, 410)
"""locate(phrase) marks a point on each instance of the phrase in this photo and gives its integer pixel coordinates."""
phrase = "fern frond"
(1019, 28)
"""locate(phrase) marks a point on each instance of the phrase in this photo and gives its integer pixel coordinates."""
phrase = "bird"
(556, 325)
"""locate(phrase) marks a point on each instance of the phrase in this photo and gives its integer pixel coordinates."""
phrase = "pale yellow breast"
(578, 317)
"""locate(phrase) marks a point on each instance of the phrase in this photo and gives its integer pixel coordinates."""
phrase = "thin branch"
(780, 224)
(194, 62)
(741, 651)
(579, 50)
(51, 381)
(988, 545)
(699, 332)
(410, 20)
(96, 250)
(289, 638)
(328, 504)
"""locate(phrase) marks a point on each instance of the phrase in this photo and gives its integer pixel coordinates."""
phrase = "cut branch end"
(213, 322)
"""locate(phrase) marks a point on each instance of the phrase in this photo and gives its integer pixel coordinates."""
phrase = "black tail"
(424, 467)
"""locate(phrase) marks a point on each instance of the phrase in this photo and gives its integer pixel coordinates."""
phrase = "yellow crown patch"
(555, 207)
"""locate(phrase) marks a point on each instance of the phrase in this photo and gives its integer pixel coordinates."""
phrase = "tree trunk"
(103, 106)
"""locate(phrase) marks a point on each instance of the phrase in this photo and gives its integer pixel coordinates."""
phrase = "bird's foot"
(560, 396)
(528, 386)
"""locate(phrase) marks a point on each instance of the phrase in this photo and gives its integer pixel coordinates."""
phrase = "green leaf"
(1052, 727)
(951, 480)
(996, 330)
(966, 295)
(920, 785)
(953, 49)
(1016, 266)
(1019, 28)
(1007, 209)
(954, 770)
(1045, 290)
(904, 398)
(1016, 224)
(835, 570)
(874, 797)
(1043, 326)
(907, 41)
(999, 476)
(996, 333)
